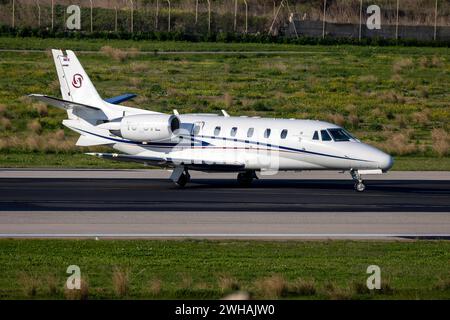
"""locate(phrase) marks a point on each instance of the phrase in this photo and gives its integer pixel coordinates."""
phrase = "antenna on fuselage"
(225, 114)
(175, 112)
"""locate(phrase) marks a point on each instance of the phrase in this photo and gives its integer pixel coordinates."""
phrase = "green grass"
(30, 43)
(61, 160)
(191, 269)
(391, 97)
(421, 163)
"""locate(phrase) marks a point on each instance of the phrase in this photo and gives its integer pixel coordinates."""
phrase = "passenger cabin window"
(267, 133)
(250, 132)
(325, 135)
(233, 131)
(316, 135)
(196, 129)
(217, 131)
(283, 134)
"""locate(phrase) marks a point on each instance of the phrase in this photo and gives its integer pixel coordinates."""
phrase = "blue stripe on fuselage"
(204, 143)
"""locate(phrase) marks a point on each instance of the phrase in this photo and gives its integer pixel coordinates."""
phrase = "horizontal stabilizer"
(87, 141)
(121, 98)
(59, 103)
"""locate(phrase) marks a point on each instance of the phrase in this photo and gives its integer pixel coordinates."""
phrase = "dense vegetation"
(211, 269)
(395, 98)
(225, 37)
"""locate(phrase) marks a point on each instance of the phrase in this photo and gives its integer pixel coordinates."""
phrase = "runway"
(143, 203)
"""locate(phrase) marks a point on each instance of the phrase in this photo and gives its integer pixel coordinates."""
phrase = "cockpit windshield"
(340, 134)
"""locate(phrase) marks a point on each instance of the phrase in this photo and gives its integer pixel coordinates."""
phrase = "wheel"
(360, 187)
(245, 179)
(184, 178)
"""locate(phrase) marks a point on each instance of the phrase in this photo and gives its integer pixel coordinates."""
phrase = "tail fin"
(74, 82)
(76, 87)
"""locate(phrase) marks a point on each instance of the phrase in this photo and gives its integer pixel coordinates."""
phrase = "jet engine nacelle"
(144, 127)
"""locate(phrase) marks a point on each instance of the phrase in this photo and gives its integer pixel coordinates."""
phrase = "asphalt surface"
(142, 204)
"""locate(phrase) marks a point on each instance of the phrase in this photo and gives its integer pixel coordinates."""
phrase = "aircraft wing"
(129, 158)
(171, 162)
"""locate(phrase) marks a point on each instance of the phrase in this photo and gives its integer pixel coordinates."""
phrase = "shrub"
(303, 288)
(52, 285)
(30, 284)
(443, 285)
(41, 108)
(334, 292)
(228, 99)
(401, 64)
(360, 288)
(34, 126)
(441, 141)
(5, 123)
(155, 286)
(337, 119)
(272, 287)
(227, 283)
(398, 144)
(78, 294)
(121, 283)
(119, 54)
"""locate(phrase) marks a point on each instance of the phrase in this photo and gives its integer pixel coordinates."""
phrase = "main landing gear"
(245, 179)
(359, 184)
(180, 176)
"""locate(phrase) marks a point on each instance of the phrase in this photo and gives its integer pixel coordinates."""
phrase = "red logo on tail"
(77, 80)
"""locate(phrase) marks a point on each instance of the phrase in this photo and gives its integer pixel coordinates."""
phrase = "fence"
(339, 30)
(414, 19)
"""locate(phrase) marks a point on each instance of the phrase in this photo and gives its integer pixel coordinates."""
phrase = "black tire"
(184, 178)
(245, 179)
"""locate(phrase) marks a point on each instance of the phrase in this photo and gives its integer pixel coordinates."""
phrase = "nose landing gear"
(359, 185)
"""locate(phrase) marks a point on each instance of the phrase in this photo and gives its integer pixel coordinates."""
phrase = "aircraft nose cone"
(379, 159)
(385, 162)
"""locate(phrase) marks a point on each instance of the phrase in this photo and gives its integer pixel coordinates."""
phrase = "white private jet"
(206, 142)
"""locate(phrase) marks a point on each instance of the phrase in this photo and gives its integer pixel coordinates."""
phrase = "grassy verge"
(31, 43)
(393, 98)
(61, 160)
(421, 164)
(212, 269)
(78, 160)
